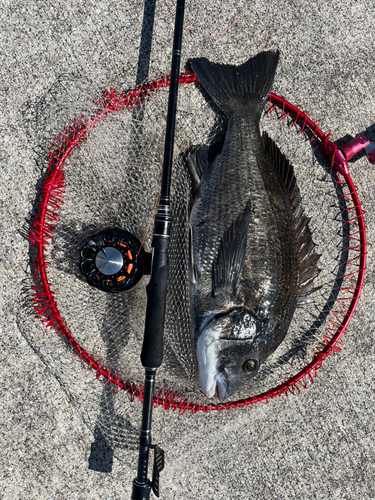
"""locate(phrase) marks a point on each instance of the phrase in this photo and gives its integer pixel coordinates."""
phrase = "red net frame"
(52, 198)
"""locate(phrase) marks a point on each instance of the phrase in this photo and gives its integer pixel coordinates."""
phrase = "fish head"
(229, 352)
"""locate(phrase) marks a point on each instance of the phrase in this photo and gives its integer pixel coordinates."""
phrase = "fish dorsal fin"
(227, 267)
(308, 259)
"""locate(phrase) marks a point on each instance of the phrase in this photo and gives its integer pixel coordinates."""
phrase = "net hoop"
(52, 198)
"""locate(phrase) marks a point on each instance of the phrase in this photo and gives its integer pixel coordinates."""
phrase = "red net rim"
(53, 190)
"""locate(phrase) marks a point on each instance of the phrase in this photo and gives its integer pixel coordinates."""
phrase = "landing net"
(104, 172)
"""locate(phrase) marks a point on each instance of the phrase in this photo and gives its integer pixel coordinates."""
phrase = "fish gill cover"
(112, 180)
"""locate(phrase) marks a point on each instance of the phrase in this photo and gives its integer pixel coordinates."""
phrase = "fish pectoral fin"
(227, 267)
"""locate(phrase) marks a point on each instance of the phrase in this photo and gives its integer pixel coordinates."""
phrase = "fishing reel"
(114, 261)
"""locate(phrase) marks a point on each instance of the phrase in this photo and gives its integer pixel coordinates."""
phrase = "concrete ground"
(316, 445)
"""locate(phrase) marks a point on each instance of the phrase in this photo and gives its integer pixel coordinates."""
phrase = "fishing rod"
(152, 349)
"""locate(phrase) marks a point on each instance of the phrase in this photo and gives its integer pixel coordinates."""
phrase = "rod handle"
(141, 491)
(152, 349)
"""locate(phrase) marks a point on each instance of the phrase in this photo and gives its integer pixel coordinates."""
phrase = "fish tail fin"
(236, 87)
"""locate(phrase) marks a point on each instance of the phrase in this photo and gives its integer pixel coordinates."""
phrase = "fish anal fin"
(197, 162)
(200, 158)
(227, 267)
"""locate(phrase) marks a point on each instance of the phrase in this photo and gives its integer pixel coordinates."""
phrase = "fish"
(252, 258)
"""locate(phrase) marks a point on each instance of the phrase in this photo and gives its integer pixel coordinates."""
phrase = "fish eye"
(250, 365)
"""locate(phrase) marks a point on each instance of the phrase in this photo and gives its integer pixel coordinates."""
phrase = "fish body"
(245, 265)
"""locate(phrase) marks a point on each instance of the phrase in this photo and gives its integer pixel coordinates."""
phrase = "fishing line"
(150, 222)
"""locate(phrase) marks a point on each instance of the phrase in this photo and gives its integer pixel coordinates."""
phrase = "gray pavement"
(318, 444)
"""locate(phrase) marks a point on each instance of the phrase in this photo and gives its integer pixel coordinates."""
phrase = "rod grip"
(152, 349)
(141, 491)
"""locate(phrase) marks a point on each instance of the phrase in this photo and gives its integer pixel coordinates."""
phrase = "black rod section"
(172, 103)
(141, 485)
(152, 349)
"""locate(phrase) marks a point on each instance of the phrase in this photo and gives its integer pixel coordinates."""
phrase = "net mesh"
(112, 181)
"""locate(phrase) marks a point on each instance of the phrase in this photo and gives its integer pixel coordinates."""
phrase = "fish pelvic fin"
(227, 267)
(308, 258)
(236, 87)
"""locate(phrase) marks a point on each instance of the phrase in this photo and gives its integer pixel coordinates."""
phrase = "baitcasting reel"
(114, 261)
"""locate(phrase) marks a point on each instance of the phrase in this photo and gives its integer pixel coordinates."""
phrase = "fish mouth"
(222, 386)
(211, 380)
(213, 375)
(218, 386)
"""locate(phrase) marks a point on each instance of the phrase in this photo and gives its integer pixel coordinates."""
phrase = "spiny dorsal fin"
(227, 267)
(307, 257)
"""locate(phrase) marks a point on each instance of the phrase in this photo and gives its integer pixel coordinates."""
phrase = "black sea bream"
(249, 238)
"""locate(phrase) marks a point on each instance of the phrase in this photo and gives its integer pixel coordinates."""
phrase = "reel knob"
(113, 261)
